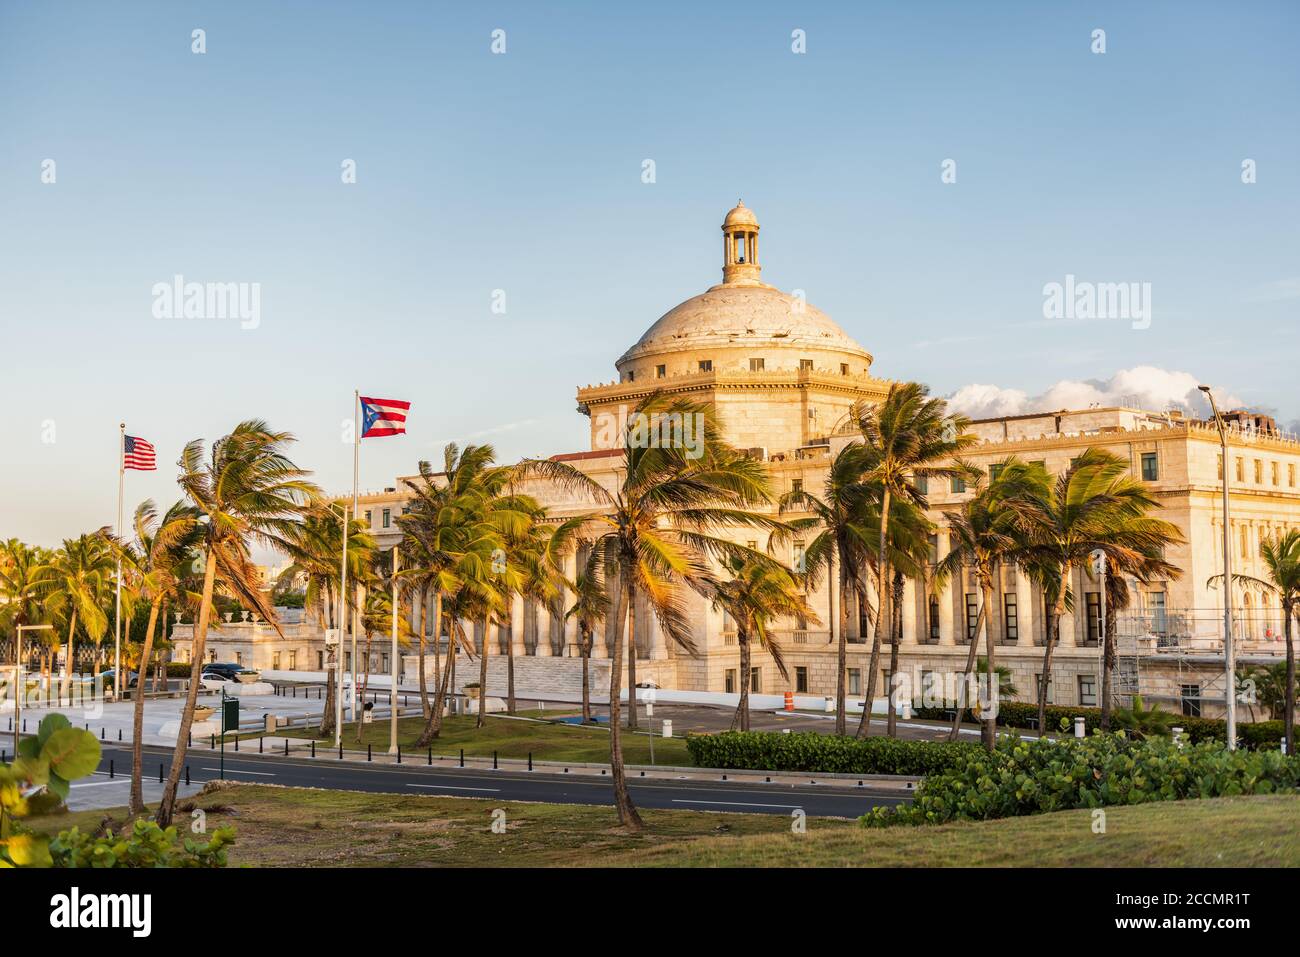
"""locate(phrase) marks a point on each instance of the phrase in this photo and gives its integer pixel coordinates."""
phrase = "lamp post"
(1099, 569)
(1229, 657)
(18, 679)
(392, 660)
(342, 617)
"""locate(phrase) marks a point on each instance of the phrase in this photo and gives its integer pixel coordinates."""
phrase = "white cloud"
(1145, 387)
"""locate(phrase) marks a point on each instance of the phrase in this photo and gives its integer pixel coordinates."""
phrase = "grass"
(295, 827)
(1261, 831)
(511, 738)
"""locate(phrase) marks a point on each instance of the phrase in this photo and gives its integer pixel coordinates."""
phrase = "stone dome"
(740, 215)
(753, 316)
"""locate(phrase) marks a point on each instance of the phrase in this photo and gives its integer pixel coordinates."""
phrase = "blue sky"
(522, 172)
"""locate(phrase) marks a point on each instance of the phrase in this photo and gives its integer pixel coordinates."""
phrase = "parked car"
(133, 678)
(231, 672)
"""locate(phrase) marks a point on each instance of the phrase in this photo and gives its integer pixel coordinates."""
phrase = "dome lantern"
(740, 247)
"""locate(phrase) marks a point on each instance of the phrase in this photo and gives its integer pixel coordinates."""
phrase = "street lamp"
(392, 659)
(18, 680)
(1229, 658)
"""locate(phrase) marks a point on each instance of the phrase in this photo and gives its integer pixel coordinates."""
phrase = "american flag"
(138, 454)
(383, 417)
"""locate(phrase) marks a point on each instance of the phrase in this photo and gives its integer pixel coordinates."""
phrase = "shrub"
(178, 669)
(1033, 777)
(823, 753)
(145, 845)
(1022, 714)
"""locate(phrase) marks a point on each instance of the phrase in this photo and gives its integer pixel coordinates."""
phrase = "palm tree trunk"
(162, 655)
(864, 726)
(959, 706)
(1053, 635)
(423, 682)
(135, 803)
(168, 802)
(841, 652)
(989, 731)
(1108, 667)
(510, 661)
(365, 682)
(482, 674)
(631, 657)
(1289, 717)
(741, 719)
(896, 623)
(585, 650)
(627, 814)
(331, 684)
(65, 687)
(433, 726)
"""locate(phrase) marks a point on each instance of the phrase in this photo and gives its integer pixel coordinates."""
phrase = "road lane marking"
(100, 784)
(735, 803)
(265, 774)
(448, 787)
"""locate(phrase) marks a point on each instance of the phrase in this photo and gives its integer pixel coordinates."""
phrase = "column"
(658, 642)
(543, 649)
(517, 645)
(947, 629)
(571, 649)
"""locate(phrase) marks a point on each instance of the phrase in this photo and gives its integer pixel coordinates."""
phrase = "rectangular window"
(293, 661)
(1290, 476)
(275, 656)
(383, 663)
(388, 520)
(933, 541)
(801, 680)
(706, 365)
(347, 661)
(660, 372)
(239, 658)
(1245, 542)
(972, 615)
(1191, 699)
(844, 368)
(1220, 467)
(922, 484)
(1276, 469)
(1093, 600)
(1241, 469)
(1010, 623)
(855, 681)
(367, 517)
(796, 485)
(1088, 691)
(934, 618)
(797, 558)
(1259, 472)
(1038, 684)
(729, 681)
(958, 485)
(631, 375)
(994, 472)
(756, 365)
(1159, 624)
(864, 626)
(320, 661)
(1150, 467)
(805, 365)
(755, 680)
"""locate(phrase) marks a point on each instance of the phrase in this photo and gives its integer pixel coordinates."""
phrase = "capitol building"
(782, 376)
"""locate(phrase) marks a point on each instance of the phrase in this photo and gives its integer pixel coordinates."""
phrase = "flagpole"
(356, 472)
(392, 681)
(117, 614)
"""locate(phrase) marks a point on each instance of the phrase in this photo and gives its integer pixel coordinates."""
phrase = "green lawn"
(1262, 831)
(512, 738)
(296, 827)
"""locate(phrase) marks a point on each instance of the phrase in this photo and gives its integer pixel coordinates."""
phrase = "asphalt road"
(510, 785)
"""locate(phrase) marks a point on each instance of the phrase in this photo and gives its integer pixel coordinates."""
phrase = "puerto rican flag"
(382, 417)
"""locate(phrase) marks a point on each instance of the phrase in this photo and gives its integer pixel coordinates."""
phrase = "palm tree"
(1281, 557)
(589, 608)
(243, 489)
(656, 530)
(82, 574)
(906, 435)
(840, 545)
(1094, 504)
(756, 592)
(164, 550)
(314, 548)
(983, 535)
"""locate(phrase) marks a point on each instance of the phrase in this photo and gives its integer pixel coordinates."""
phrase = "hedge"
(823, 753)
(1020, 714)
(1037, 776)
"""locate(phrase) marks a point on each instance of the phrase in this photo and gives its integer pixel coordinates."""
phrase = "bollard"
(313, 747)
(367, 748)
(213, 743)
(189, 739)
(160, 772)
(530, 756)
(236, 740)
(340, 750)
(259, 737)
(430, 755)
(494, 756)
(286, 740)
(110, 769)
(187, 775)
(119, 730)
(399, 747)
(1080, 730)
(101, 733)
(462, 757)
